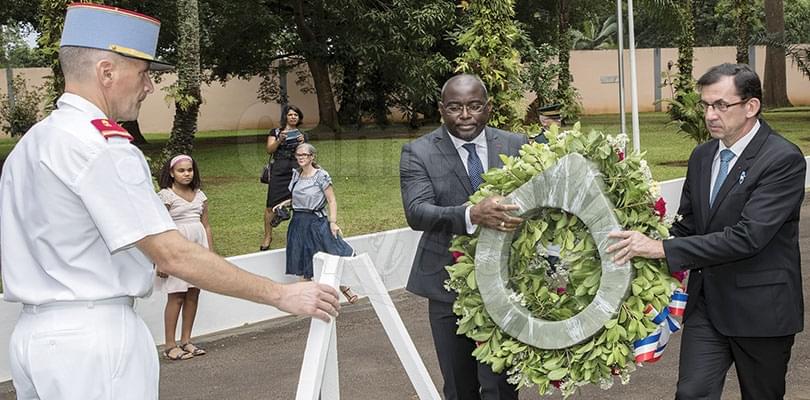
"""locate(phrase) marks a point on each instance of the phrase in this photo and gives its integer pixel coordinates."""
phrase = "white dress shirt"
(480, 148)
(737, 148)
(72, 205)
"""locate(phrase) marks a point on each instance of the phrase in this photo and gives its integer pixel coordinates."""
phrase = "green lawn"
(366, 177)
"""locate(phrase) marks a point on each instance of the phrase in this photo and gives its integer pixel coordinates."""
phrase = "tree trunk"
(743, 13)
(349, 113)
(380, 105)
(775, 80)
(134, 129)
(187, 96)
(327, 111)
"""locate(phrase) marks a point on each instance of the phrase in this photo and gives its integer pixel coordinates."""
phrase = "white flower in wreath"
(618, 142)
(645, 170)
(655, 190)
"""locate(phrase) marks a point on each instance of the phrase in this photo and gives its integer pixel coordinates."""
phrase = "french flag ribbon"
(677, 304)
(651, 348)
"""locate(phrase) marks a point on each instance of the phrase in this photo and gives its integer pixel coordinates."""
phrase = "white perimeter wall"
(391, 251)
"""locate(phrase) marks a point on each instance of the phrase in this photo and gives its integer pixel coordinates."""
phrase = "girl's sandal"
(350, 296)
(175, 353)
(192, 349)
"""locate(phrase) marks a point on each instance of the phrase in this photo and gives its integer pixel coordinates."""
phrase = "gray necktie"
(474, 167)
(725, 157)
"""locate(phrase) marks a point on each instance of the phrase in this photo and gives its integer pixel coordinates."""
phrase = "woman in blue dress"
(312, 228)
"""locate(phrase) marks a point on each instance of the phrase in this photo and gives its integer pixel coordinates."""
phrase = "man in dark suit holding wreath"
(438, 173)
(739, 238)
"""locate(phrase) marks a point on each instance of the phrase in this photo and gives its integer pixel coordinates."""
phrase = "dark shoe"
(350, 296)
(264, 248)
(175, 353)
(193, 349)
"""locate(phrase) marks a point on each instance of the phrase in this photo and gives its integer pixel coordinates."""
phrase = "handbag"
(265, 177)
(282, 214)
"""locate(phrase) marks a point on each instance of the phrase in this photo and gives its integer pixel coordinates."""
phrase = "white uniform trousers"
(84, 350)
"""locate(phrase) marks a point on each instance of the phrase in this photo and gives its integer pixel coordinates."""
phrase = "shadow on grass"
(675, 163)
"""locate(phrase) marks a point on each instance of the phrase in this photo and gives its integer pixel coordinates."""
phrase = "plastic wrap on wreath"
(574, 185)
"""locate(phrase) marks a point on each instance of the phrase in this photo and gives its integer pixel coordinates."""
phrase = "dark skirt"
(307, 235)
(280, 177)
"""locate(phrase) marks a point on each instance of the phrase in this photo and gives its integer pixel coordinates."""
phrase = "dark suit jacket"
(435, 187)
(744, 250)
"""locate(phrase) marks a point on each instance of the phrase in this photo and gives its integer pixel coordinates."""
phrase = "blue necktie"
(725, 157)
(474, 167)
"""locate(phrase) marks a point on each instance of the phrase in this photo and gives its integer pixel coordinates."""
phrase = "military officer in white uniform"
(80, 227)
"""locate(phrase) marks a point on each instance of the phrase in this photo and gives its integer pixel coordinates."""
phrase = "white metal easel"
(319, 370)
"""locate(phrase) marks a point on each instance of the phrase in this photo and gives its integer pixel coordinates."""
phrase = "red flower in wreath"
(660, 207)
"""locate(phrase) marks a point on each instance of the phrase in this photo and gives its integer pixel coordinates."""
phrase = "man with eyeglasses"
(739, 239)
(438, 173)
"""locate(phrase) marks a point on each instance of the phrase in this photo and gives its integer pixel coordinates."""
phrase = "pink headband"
(177, 159)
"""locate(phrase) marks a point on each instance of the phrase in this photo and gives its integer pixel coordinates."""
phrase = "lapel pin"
(742, 177)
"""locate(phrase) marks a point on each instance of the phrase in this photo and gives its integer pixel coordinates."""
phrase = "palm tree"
(743, 12)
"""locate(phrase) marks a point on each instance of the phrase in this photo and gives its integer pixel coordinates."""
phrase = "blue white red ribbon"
(677, 304)
(651, 348)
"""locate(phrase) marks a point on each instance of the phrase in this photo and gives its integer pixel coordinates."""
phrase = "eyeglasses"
(304, 155)
(473, 108)
(720, 106)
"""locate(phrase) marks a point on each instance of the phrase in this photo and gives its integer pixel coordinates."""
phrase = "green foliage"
(547, 295)
(540, 74)
(686, 41)
(379, 55)
(394, 60)
(50, 23)
(14, 51)
(571, 104)
(24, 113)
(684, 109)
(592, 36)
(488, 45)
(687, 116)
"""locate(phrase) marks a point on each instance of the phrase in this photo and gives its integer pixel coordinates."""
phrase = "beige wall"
(591, 68)
(234, 106)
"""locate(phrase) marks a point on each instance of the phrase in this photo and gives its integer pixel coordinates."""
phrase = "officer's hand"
(494, 215)
(309, 298)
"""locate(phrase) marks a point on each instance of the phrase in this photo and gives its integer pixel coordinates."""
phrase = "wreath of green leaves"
(560, 291)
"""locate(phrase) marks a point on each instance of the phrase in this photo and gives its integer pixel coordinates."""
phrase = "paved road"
(262, 361)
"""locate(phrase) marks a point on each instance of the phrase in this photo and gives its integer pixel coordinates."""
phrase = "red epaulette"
(110, 129)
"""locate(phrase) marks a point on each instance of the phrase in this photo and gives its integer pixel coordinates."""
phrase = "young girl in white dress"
(179, 183)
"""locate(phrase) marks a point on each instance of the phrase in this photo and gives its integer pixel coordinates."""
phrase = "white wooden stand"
(319, 370)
